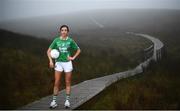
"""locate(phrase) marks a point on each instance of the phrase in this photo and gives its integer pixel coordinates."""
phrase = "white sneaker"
(53, 104)
(67, 104)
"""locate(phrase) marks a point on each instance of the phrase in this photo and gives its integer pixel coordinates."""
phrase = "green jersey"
(65, 48)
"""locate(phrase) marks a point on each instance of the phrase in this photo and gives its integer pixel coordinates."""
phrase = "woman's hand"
(75, 55)
(71, 58)
(51, 64)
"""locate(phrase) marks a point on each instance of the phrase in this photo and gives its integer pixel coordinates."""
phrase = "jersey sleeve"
(53, 44)
(74, 46)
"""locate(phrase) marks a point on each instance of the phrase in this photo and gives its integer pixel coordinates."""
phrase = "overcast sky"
(14, 9)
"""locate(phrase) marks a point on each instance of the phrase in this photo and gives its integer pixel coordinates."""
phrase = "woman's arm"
(51, 64)
(75, 55)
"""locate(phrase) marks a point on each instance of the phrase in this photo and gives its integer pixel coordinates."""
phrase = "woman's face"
(64, 32)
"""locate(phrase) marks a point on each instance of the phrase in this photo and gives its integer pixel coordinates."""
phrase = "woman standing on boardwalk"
(65, 45)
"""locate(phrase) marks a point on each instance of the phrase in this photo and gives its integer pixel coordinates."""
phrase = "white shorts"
(64, 66)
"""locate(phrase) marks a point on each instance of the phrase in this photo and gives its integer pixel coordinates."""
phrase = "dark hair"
(64, 26)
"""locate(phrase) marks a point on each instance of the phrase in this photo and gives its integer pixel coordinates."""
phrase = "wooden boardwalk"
(82, 92)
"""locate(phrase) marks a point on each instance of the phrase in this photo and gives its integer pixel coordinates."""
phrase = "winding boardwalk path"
(82, 92)
(158, 45)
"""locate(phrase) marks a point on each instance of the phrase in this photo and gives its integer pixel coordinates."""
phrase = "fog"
(97, 21)
(17, 9)
(42, 18)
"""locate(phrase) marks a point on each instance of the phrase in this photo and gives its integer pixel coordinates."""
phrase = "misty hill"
(11, 40)
(157, 88)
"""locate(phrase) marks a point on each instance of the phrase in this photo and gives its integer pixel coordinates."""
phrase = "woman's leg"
(57, 76)
(68, 76)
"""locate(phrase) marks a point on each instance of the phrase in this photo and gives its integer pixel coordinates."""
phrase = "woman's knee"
(57, 78)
